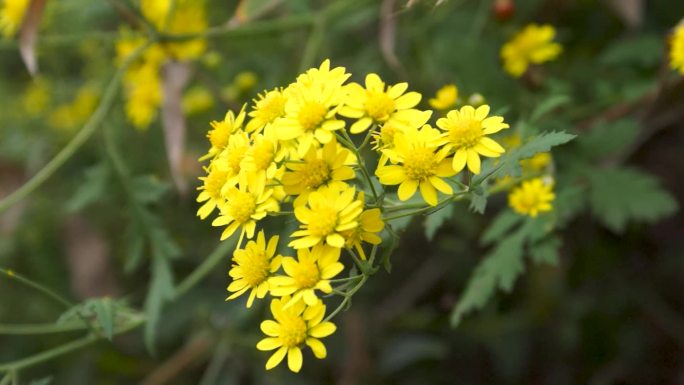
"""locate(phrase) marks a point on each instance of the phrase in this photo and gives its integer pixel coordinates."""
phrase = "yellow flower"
(417, 162)
(532, 197)
(311, 107)
(446, 98)
(267, 108)
(244, 207)
(467, 131)
(70, 115)
(539, 162)
(220, 134)
(677, 49)
(12, 15)
(532, 45)
(178, 17)
(312, 271)
(330, 212)
(370, 223)
(245, 80)
(143, 95)
(197, 100)
(211, 191)
(36, 98)
(230, 160)
(253, 267)
(294, 327)
(377, 104)
(384, 137)
(330, 165)
(261, 156)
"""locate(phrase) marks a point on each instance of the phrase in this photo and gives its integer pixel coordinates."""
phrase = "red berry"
(503, 9)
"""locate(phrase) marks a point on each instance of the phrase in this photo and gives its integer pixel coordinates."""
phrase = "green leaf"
(502, 224)
(106, 314)
(160, 292)
(509, 163)
(42, 381)
(570, 200)
(148, 189)
(435, 220)
(622, 195)
(547, 106)
(385, 256)
(91, 189)
(478, 199)
(546, 251)
(609, 138)
(498, 270)
(640, 51)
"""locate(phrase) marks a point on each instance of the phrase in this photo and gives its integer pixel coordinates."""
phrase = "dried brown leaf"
(28, 36)
(175, 77)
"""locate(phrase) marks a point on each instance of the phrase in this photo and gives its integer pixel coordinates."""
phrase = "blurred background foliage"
(606, 308)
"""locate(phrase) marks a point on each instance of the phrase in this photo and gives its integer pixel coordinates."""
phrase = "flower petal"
(276, 358)
(294, 359)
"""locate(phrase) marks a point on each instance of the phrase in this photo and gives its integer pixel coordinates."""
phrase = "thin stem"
(428, 208)
(38, 287)
(6, 378)
(93, 123)
(362, 165)
(45, 328)
(346, 279)
(347, 298)
(366, 140)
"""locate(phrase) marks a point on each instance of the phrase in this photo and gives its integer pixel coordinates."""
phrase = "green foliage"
(93, 187)
(608, 138)
(434, 221)
(501, 225)
(547, 105)
(621, 195)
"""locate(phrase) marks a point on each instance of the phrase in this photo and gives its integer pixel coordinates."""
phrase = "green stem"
(77, 141)
(38, 287)
(428, 208)
(45, 328)
(362, 164)
(347, 298)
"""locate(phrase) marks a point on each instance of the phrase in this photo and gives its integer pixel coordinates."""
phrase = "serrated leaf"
(478, 200)
(385, 256)
(509, 163)
(609, 138)
(498, 270)
(548, 105)
(148, 189)
(570, 200)
(91, 189)
(435, 221)
(622, 195)
(502, 224)
(105, 313)
(546, 251)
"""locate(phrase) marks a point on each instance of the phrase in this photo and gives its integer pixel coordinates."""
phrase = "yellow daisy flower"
(377, 104)
(269, 107)
(211, 191)
(220, 134)
(532, 45)
(294, 327)
(244, 207)
(417, 162)
(330, 212)
(311, 271)
(311, 107)
(183, 18)
(466, 135)
(330, 165)
(143, 95)
(370, 223)
(260, 158)
(231, 158)
(446, 98)
(253, 267)
(677, 49)
(532, 197)
(12, 15)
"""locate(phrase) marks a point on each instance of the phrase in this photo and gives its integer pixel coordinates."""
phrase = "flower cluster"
(12, 14)
(533, 45)
(291, 155)
(142, 82)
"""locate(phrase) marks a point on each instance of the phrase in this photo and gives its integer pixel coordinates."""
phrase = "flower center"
(379, 106)
(242, 206)
(311, 115)
(218, 137)
(466, 133)
(263, 155)
(214, 183)
(419, 164)
(324, 223)
(292, 330)
(306, 275)
(270, 108)
(315, 174)
(256, 268)
(234, 158)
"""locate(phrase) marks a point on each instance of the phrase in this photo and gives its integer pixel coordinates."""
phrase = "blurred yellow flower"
(533, 45)
(197, 100)
(36, 98)
(294, 327)
(12, 15)
(76, 113)
(532, 197)
(446, 98)
(142, 86)
(466, 136)
(253, 267)
(417, 161)
(178, 17)
(677, 49)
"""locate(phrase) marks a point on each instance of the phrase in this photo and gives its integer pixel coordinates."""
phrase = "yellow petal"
(459, 161)
(322, 330)
(276, 358)
(407, 189)
(269, 344)
(441, 185)
(407, 101)
(270, 328)
(317, 347)
(391, 175)
(428, 192)
(473, 162)
(294, 359)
